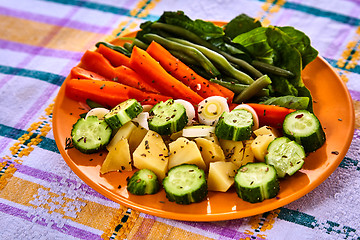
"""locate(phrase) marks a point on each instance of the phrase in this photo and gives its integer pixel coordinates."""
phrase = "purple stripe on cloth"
(355, 95)
(34, 50)
(51, 177)
(55, 21)
(220, 230)
(43, 98)
(66, 229)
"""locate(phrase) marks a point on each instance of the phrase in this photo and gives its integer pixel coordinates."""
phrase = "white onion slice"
(99, 112)
(252, 111)
(211, 108)
(198, 131)
(142, 119)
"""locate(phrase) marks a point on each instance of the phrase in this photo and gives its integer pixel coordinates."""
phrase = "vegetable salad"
(172, 99)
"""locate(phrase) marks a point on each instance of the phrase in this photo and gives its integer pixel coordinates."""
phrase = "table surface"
(40, 196)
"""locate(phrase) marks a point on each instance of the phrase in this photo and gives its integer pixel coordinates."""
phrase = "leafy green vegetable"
(240, 24)
(301, 42)
(255, 41)
(292, 102)
(206, 30)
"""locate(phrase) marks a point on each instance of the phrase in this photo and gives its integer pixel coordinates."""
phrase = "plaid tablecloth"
(40, 196)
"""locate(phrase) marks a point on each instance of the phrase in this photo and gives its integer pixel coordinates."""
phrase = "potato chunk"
(185, 151)
(210, 151)
(221, 176)
(260, 144)
(118, 158)
(123, 132)
(237, 152)
(152, 154)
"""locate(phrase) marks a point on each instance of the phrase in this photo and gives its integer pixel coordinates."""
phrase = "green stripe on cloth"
(102, 7)
(14, 133)
(44, 76)
(306, 220)
(297, 217)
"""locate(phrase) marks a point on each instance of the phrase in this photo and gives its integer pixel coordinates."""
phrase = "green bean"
(238, 88)
(184, 33)
(219, 60)
(184, 58)
(139, 44)
(114, 47)
(190, 51)
(253, 89)
(268, 68)
(128, 46)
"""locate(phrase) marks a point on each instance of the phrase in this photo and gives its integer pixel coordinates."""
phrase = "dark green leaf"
(301, 42)
(240, 24)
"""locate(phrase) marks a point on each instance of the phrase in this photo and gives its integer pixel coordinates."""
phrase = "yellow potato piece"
(221, 176)
(185, 151)
(210, 151)
(237, 152)
(152, 154)
(118, 158)
(260, 144)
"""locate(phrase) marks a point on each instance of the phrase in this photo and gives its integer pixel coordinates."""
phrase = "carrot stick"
(129, 77)
(156, 75)
(95, 62)
(80, 73)
(270, 115)
(115, 58)
(186, 75)
(108, 93)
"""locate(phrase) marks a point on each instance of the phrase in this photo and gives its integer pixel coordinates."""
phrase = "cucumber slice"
(143, 182)
(235, 125)
(90, 135)
(285, 155)
(185, 184)
(123, 113)
(167, 117)
(304, 128)
(255, 182)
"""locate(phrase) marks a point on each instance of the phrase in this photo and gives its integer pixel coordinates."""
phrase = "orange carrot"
(186, 75)
(95, 62)
(270, 115)
(80, 73)
(108, 93)
(129, 77)
(115, 58)
(155, 74)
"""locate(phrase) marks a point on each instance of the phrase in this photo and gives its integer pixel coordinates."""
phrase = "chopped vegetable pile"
(198, 107)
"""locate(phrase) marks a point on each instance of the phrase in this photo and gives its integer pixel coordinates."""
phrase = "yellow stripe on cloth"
(46, 35)
(149, 229)
(34, 195)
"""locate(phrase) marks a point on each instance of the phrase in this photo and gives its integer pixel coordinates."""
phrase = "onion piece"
(142, 119)
(211, 108)
(253, 112)
(147, 108)
(198, 131)
(99, 112)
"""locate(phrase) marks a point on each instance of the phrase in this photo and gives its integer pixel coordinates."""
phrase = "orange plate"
(333, 106)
